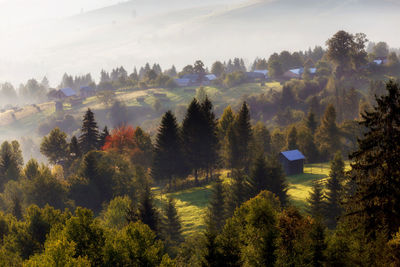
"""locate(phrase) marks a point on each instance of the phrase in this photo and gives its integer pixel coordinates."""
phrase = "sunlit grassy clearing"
(300, 185)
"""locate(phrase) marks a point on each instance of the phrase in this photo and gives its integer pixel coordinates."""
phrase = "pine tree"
(172, 227)
(9, 164)
(328, 135)
(16, 208)
(311, 122)
(210, 138)
(244, 135)
(376, 166)
(316, 205)
(74, 149)
(215, 218)
(211, 257)
(147, 212)
(259, 176)
(239, 192)
(168, 154)
(318, 244)
(231, 153)
(262, 139)
(276, 182)
(193, 132)
(292, 139)
(103, 136)
(334, 190)
(89, 139)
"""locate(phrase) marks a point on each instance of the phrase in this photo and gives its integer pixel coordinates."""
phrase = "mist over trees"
(121, 194)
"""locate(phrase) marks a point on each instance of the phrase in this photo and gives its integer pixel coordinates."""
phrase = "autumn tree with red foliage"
(133, 143)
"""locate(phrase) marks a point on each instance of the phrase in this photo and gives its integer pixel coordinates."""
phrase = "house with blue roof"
(292, 162)
(298, 72)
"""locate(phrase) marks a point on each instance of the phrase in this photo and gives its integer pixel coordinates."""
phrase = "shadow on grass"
(198, 196)
(304, 178)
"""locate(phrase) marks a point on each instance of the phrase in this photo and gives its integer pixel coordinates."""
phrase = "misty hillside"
(169, 32)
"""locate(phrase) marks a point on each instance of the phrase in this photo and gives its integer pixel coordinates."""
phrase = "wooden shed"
(292, 162)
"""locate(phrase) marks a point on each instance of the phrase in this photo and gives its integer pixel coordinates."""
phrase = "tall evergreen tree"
(231, 154)
(211, 255)
(168, 154)
(210, 138)
(193, 132)
(215, 217)
(172, 227)
(318, 244)
(376, 165)
(316, 205)
(292, 139)
(328, 135)
(334, 190)
(244, 136)
(262, 139)
(276, 182)
(311, 122)
(10, 165)
(147, 212)
(89, 139)
(239, 192)
(259, 176)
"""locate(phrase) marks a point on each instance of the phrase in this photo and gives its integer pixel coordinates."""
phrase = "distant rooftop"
(68, 92)
(292, 155)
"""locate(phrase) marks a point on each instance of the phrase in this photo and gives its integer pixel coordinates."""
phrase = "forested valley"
(107, 195)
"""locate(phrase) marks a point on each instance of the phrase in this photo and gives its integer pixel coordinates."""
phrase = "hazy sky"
(45, 38)
(22, 11)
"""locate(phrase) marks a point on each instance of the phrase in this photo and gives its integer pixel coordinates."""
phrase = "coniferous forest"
(107, 195)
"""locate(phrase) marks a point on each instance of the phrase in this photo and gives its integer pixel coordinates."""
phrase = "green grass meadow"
(192, 203)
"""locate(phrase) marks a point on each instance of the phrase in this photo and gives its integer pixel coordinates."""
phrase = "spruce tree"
(316, 205)
(334, 190)
(292, 139)
(276, 182)
(210, 138)
(318, 244)
(147, 212)
(259, 176)
(172, 227)
(231, 151)
(262, 139)
(9, 164)
(215, 218)
(168, 154)
(244, 136)
(103, 136)
(311, 122)
(211, 257)
(193, 133)
(89, 139)
(16, 207)
(328, 134)
(239, 192)
(376, 166)
(225, 122)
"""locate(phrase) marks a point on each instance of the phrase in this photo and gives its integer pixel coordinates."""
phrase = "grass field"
(192, 203)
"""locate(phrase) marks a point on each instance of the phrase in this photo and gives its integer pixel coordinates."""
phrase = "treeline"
(352, 218)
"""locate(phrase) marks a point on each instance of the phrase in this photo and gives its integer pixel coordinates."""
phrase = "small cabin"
(292, 162)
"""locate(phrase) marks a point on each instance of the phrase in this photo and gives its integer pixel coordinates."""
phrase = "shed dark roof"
(293, 155)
